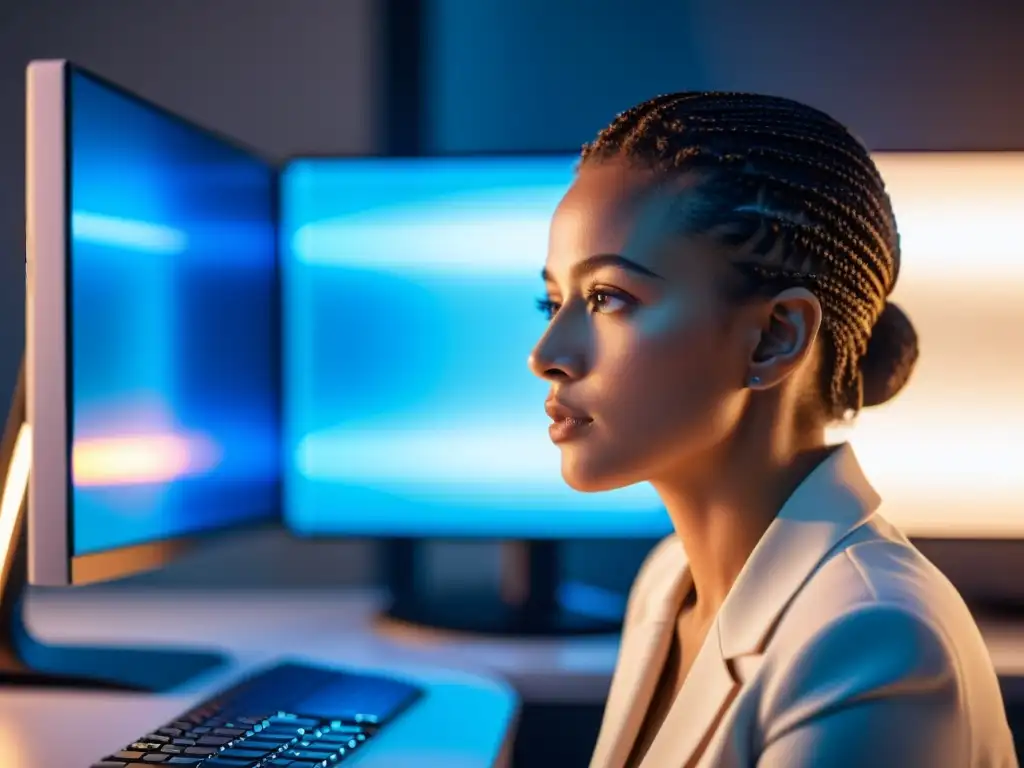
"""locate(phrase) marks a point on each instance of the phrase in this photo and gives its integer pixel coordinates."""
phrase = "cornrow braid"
(798, 185)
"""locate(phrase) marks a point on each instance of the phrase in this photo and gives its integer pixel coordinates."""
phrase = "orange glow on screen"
(140, 459)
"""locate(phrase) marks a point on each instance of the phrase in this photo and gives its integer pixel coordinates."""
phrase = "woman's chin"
(586, 475)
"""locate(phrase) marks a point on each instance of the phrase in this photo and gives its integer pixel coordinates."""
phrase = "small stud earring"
(755, 380)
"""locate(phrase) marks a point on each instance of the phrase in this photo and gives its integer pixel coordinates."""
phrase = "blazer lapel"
(709, 689)
(832, 501)
(647, 634)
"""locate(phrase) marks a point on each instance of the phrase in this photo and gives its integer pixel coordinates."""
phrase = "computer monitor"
(408, 286)
(152, 327)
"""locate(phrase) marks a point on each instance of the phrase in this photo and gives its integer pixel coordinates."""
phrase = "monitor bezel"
(51, 557)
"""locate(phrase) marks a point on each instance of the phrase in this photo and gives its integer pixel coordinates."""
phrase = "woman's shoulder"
(874, 574)
(877, 629)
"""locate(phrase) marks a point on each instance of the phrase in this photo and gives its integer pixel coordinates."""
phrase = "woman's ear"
(786, 336)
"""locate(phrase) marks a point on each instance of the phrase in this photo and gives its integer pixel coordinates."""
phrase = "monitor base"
(25, 662)
(131, 670)
(530, 599)
(32, 679)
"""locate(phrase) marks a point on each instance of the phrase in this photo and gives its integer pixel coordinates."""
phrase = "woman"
(717, 286)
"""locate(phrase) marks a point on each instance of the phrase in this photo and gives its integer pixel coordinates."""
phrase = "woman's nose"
(558, 357)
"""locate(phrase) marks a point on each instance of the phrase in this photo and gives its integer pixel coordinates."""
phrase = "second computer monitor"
(410, 289)
(152, 330)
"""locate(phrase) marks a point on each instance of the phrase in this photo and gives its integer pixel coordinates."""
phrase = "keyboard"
(287, 716)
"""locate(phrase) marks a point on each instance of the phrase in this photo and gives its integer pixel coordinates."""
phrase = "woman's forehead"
(612, 208)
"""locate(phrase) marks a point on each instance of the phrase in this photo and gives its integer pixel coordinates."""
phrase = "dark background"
(348, 76)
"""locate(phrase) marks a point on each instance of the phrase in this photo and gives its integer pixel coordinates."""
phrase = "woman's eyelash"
(597, 298)
(547, 307)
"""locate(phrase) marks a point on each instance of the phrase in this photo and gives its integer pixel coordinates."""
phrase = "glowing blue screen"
(173, 294)
(409, 311)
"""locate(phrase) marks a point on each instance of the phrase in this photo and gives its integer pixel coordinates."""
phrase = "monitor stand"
(529, 600)
(25, 662)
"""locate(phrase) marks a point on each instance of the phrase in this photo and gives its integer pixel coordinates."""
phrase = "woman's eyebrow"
(593, 263)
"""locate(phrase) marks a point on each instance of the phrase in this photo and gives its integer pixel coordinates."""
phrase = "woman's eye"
(602, 301)
(607, 302)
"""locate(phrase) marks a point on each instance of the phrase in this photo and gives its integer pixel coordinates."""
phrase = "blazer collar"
(832, 501)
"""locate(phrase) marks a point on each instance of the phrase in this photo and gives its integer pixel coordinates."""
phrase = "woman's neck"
(721, 513)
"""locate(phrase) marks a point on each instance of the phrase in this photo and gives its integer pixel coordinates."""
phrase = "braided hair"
(797, 186)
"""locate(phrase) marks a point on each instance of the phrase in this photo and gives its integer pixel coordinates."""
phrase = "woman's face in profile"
(646, 355)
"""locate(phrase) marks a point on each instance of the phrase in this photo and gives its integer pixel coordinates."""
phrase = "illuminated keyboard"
(289, 716)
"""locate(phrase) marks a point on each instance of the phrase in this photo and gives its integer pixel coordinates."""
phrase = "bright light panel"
(947, 455)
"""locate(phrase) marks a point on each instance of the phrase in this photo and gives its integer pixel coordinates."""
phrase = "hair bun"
(889, 361)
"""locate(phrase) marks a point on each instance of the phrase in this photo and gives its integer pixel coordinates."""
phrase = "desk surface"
(465, 720)
(336, 627)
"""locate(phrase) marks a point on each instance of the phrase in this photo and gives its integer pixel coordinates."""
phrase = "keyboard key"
(184, 761)
(275, 733)
(107, 764)
(337, 738)
(280, 737)
(341, 728)
(243, 754)
(203, 751)
(213, 741)
(331, 745)
(126, 754)
(156, 758)
(146, 746)
(260, 745)
(302, 754)
(228, 731)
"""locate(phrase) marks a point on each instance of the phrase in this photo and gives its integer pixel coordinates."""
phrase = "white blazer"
(839, 646)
